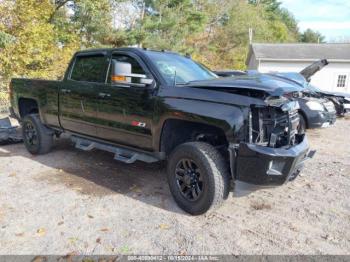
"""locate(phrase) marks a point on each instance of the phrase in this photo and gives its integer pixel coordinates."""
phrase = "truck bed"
(43, 91)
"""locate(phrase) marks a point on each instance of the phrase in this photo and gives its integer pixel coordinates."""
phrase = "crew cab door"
(126, 107)
(78, 96)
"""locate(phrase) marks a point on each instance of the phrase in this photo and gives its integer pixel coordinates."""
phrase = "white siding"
(325, 79)
(266, 67)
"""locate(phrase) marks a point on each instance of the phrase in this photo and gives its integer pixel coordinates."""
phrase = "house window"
(341, 81)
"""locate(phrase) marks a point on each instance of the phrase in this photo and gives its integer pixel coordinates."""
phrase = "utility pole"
(250, 35)
(142, 17)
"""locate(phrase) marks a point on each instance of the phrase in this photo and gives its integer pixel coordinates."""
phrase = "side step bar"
(121, 154)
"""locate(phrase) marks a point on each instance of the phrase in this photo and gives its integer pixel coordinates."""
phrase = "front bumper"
(265, 166)
(321, 119)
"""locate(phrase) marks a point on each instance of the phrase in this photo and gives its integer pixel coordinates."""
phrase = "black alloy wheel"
(198, 177)
(189, 179)
(37, 138)
(30, 134)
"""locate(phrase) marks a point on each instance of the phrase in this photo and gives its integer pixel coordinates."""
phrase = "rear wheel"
(198, 177)
(37, 138)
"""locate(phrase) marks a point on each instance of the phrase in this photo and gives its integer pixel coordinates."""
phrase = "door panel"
(125, 117)
(125, 112)
(78, 96)
(78, 107)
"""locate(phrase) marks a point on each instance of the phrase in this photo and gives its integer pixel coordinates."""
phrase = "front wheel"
(37, 138)
(198, 177)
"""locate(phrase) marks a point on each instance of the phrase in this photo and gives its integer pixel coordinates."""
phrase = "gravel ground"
(75, 202)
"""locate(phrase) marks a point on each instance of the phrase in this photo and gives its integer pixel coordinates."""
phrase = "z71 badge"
(137, 123)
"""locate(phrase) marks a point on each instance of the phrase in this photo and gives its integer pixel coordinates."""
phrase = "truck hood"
(259, 90)
(264, 84)
(312, 69)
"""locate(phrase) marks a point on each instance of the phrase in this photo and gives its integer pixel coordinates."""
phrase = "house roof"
(302, 52)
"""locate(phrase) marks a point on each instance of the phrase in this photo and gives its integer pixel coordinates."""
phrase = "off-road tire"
(302, 125)
(44, 135)
(215, 176)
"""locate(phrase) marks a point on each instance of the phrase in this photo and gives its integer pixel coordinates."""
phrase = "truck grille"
(273, 127)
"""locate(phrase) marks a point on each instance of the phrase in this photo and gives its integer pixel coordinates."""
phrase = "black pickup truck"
(157, 105)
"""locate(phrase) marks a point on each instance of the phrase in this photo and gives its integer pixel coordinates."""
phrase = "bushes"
(4, 100)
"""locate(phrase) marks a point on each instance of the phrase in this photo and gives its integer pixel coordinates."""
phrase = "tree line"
(38, 37)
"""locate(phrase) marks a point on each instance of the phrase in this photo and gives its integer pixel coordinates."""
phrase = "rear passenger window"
(90, 68)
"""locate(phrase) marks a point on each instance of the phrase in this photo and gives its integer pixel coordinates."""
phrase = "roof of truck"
(132, 49)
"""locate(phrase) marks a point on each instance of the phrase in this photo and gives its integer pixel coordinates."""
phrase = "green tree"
(38, 37)
(311, 36)
(33, 48)
(282, 22)
(225, 42)
(92, 21)
(5, 39)
(166, 24)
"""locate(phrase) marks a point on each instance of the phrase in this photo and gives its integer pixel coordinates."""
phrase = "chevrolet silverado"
(151, 106)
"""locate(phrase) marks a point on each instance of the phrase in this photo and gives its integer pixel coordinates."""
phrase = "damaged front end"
(342, 104)
(274, 152)
(346, 105)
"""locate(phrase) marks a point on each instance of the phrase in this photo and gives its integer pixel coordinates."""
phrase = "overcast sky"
(330, 17)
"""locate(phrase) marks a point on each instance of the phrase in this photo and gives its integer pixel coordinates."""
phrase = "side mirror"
(122, 74)
(120, 71)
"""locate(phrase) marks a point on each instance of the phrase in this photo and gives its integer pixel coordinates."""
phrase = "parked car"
(340, 101)
(154, 105)
(315, 111)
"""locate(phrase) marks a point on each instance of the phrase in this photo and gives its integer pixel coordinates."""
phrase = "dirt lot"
(71, 201)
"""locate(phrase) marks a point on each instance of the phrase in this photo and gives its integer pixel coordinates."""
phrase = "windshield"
(179, 69)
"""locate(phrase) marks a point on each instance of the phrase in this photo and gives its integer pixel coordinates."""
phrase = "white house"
(295, 57)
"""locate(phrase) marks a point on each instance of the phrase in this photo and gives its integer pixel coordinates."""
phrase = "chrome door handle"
(104, 95)
(66, 91)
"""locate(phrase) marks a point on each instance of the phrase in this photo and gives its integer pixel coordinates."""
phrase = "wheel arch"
(190, 131)
(27, 106)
